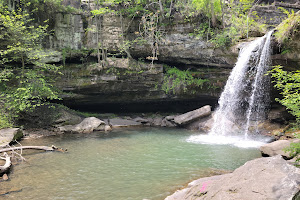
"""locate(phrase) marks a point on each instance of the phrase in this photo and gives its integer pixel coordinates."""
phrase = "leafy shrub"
(5, 122)
(289, 85)
(294, 149)
(176, 79)
(288, 27)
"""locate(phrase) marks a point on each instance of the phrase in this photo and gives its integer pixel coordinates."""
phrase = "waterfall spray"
(238, 103)
(245, 96)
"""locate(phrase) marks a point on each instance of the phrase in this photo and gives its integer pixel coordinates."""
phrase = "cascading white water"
(236, 106)
(245, 97)
(259, 98)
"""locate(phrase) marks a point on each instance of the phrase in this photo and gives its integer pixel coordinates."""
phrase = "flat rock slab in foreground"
(8, 135)
(193, 115)
(269, 178)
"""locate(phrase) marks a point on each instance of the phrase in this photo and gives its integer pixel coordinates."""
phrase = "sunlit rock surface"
(263, 178)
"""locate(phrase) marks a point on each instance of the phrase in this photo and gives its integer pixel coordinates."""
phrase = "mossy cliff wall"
(77, 35)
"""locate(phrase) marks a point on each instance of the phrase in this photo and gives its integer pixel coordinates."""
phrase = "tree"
(211, 8)
(22, 71)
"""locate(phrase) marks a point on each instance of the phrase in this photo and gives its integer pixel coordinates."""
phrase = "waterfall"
(245, 96)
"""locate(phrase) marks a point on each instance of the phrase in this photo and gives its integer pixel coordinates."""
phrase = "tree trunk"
(98, 51)
(222, 8)
(161, 8)
(103, 55)
(213, 16)
(5, 168)
(171, 7)
(45, 148)
(122, 31)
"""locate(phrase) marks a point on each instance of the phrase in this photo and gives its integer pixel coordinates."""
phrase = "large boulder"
(8, 135)
(269, 178)
(88, 125)
(277, 148)
(193, 115)
(204, 124)
(48, 116)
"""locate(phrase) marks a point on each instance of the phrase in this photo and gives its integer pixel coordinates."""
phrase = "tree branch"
(45, 148)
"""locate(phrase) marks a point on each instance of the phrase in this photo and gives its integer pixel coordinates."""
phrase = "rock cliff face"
(79, 34)
(127, 85)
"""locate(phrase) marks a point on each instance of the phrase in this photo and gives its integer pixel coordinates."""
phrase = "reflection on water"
(125, 164)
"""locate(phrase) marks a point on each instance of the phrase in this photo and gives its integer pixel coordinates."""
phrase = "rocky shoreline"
(262, 170)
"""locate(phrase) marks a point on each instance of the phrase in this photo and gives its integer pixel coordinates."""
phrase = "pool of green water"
(130, 164)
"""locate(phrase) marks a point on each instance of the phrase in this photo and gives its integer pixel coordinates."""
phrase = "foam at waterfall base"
(238, 141)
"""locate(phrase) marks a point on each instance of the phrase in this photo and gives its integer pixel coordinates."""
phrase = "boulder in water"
(193, 115)
(277, 148)
(263, 178)
(88, 125)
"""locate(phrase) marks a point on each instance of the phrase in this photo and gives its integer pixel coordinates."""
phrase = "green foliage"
(176, 79)
(23, 84)
(246, 4)
(206, 7)
(101, 11)
(241, 24)
(5, 121)
(288, 28)
(289, 85)
(294, 150)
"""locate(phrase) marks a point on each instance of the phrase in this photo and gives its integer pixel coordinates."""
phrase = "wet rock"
(120, 123)
(205, 124)
(88, 125)
(167, 123)
(193, 115)
(141, 120)
(268, 127)
(157, 121)
(5, 177)
(277, 148)
(170, 118)
(107, 128)
(263, 178)
(9, 134)
(279, 115)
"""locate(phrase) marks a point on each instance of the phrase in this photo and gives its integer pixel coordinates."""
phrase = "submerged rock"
(263, 178)
(8, 135)
(193, 115)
